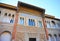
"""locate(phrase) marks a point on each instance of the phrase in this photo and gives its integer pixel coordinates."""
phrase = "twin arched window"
(31, 22)
(54, 38)
(21, 20)
(50, 37)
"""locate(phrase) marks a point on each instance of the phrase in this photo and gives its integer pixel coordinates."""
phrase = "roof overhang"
(2, 5)
(51, 17)
(31, 7)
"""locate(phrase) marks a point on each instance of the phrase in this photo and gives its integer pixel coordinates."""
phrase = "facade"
(53, 27)
(27, 23)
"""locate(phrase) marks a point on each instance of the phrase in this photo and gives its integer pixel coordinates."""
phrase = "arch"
(50, 37)
(6, 36)
(9, 15)
(55, 37)
(6, 31)
(53, 22)
(59, 35)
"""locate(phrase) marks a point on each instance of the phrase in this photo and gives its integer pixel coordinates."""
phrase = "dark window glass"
(50, 35)
(59, 35)
(13, 16)
(5, 14)
(9, 15)
(55, 35)
(53, 24)
(0, 12)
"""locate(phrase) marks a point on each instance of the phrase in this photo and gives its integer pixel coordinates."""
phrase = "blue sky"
(52, 7)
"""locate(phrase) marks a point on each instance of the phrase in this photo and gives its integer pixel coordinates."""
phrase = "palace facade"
(26, 22)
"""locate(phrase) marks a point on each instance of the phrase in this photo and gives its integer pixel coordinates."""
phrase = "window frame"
(9, 15)
(13, 15)
(40, 25)
(48, 24)
(33, 20)
(53, 24)
(23, 20)
(5, 14)
(12, 21)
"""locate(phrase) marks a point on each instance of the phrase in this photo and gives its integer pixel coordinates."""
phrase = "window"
(59, 35)
(5, 14)
(55, 37)
(53, 24)
(11, 21)
(21, 20)
(13, 15)
(31, 22)
(0, 12)
(9, 15)
(59, 38)
(50, 37)
(32, 39)
(40, 23)
(48, 24)
(58, 24)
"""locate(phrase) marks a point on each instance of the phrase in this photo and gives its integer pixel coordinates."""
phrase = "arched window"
(6, 36)
(21, 20)
(40, 23)
(31, 22)
(5, 14)
(13, 15)
(55, 37)
(9, 15)
(59, 37)
(53, 24)
(48, 24)
(50, 37)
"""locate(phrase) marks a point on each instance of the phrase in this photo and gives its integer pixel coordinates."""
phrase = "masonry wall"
(24, 32)
(53, 30)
